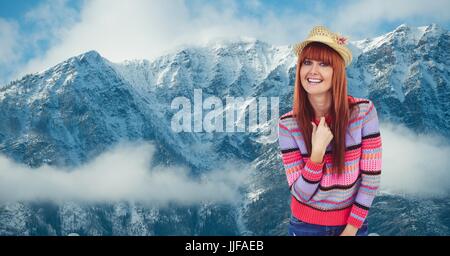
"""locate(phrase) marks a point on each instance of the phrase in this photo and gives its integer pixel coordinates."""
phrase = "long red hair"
(340, 108)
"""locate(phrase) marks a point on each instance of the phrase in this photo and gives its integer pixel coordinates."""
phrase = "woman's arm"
(303, 178)
(370, 167)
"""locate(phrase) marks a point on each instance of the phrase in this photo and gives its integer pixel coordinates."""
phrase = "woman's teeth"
(314, 81)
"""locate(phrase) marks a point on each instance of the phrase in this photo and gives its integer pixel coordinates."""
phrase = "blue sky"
(35, 35)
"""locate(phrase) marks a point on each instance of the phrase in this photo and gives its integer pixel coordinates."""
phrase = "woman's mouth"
(313, 81)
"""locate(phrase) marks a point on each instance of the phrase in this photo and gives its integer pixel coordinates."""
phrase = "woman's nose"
(314, 69)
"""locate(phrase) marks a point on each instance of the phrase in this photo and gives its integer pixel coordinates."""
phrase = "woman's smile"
(314, 81)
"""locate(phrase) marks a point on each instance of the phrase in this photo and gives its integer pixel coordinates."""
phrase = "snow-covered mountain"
(74, 111)
(406, 73)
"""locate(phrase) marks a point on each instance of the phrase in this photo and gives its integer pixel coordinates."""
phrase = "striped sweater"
(319, 197)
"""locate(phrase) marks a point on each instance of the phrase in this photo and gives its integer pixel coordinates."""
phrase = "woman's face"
(315, 76)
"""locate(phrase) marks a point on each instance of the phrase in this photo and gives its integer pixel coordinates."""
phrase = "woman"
(330, 143)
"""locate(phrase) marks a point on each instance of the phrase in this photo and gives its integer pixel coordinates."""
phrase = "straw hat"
(323, 35)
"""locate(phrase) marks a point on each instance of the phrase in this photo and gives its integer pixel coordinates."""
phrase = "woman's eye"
(306, 62)
(324, 64)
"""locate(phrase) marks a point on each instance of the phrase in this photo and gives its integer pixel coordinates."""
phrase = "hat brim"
(343, 51)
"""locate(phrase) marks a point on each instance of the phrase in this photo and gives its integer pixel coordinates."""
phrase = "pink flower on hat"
(341, 40)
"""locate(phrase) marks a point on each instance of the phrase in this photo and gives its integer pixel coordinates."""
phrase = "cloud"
(122, 173)
(50, 19)
(364, 18)
(23, 40)
(9, 48)
(414, 164)
(148, 29)
(9, 33)
(142, 29)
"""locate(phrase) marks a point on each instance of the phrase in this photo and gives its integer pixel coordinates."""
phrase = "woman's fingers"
(322, 124)
(314, 127)
(322, 121)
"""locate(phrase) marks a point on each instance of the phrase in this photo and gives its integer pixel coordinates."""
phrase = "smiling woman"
(333, 178)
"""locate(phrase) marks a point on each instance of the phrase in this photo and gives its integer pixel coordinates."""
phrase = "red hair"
(340, 107)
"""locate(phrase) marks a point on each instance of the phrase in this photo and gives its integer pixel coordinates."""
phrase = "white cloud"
(364, 18)
(141, 29)
(9, 33)
(50, 18)
(9, 48)
(253, 4)
(148, 29)
(414, 164)
(121, 174)
(44, 24)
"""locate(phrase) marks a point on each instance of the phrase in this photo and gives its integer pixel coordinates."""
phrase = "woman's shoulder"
(288, 120)
(360, 106)
(358, 101)
(363, 104)
(287, 115)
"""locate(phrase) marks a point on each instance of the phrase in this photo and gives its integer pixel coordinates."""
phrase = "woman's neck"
(321, 104)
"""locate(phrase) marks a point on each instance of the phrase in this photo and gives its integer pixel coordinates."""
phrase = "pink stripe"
(332, 202)
(373, 188)
(282, 126)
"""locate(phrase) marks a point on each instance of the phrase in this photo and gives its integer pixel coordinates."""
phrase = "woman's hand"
(321, 136)
(349, 230)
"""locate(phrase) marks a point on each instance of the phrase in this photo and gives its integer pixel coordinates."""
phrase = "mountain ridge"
(70, 113)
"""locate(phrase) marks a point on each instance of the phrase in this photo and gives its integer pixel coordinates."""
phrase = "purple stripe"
(364, 199)
(286, 143)
(306, 187)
